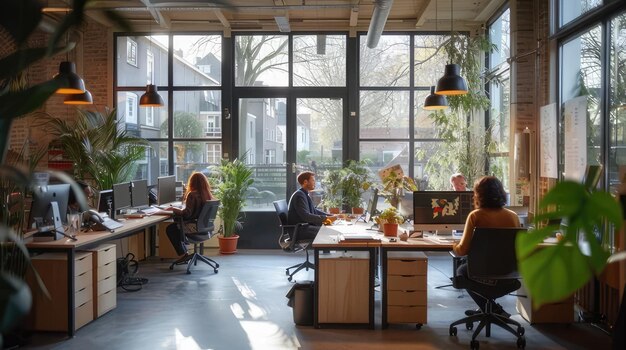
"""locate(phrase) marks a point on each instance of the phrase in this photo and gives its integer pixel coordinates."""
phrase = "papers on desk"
(353, 237)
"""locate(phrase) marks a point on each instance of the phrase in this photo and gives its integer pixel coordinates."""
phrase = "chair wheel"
(287, 272)
(520, 331)
(474, 345)
(469, 326)
(289, 278)
(215, 270)
(453, 331)
(217, 265)
(521, 342)
(171, 267)
(188, 272)
(418, 326)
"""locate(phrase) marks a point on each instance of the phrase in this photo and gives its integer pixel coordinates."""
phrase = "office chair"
(198, 234)
(491, 256)
(289, 241)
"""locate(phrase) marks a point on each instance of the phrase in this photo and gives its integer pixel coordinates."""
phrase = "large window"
(617, 76)
(261, 60)
(191, 130)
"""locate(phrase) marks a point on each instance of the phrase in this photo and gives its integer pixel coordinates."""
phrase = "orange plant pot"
(390, 230)
(228, 245)
(334, 211)
(358, 211)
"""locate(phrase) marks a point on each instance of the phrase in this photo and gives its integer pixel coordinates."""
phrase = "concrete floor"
(244, 307)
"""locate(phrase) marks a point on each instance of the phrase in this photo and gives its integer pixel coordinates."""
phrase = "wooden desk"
(86, 240)
(328, 239)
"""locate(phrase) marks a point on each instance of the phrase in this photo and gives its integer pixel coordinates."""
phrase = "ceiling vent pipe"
(377, 24)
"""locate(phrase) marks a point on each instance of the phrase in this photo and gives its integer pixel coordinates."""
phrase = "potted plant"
(394, 185)
(331, 183)
(354, 181)
(234, 180)
(390, 219)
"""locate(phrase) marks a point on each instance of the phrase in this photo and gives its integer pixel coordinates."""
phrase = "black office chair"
(491, 256)
(197, 232)
(289, 241)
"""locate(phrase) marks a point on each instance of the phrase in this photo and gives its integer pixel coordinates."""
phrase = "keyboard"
(149, 210)
(111, 224)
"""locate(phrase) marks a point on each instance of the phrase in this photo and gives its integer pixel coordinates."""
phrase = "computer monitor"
(41, 212)
(139, 193)
(371, 205)
(105, 201)
(121, 197)
(441, 211)
(166, 189)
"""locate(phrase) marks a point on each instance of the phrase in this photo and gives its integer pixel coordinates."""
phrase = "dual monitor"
(135, 194)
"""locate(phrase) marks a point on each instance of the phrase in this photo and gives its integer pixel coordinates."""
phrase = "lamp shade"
(79, 99)
(151, 97)
(71, 83)
(452, 83)
(435, 102)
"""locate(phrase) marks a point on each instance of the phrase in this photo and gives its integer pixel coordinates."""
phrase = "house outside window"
(131, 108)
(131, 51)
(149, 67)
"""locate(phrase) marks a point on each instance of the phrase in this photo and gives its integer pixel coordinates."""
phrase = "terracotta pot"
(228, 245)
(390, 230)
(358, 211)
(334, 210)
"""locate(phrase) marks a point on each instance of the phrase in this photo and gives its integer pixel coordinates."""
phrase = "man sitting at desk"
(301, 208)
(458, 182)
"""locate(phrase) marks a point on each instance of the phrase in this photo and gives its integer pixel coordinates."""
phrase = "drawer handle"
(80, 290)
(107, 278)
(108, 292)
(407, 260)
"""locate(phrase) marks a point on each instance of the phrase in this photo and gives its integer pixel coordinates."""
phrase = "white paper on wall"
(548, 146)
(575, 134)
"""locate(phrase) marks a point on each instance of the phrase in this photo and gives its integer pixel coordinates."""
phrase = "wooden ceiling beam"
(421, 13)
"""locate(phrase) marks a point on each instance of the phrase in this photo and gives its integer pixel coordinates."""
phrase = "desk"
(86, 240)
(327, 239)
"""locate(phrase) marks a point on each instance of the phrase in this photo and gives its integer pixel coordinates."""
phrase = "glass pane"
(429, 174)
(195, 156)
(430, 59)
(617, 134)
(424, 125)
(500, 36)
(263, 142)
(154, 164)
(572, 9)
(319, 60)
(197, 114)
(500, 115)
(387, 64)
(261, 60)
(384, 114)
(319, 135)
(142, 60)
(198, 60)
(581, 84)
(146, 122)
(380, 155)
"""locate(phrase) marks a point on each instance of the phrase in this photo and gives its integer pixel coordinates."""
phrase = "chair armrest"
(297, 227)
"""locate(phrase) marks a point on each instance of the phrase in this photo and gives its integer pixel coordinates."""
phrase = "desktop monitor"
(41, 210)
(371, 205)
(166, 189)
(121, 197)
(105, 201)
(441, 211)
(139, 193)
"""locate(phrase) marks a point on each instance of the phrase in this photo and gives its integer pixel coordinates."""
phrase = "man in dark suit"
(301, 208)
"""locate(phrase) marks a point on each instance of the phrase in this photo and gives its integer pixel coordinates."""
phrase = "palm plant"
(100, 150)
(234, 178)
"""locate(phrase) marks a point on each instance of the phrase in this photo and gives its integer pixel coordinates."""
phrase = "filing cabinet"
(406, 277)
(104, 279)
(51, 314)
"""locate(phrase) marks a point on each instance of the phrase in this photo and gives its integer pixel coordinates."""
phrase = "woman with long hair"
(197, 192)
(489, 212)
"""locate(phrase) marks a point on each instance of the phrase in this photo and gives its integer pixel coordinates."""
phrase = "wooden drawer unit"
(51, 314)
(104, 279)
(406, 296)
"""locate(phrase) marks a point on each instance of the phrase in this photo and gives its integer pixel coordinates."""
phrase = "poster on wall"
(548, 148)
(575, 134)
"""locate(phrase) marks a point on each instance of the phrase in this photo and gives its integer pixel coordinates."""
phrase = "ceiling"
(302, 15)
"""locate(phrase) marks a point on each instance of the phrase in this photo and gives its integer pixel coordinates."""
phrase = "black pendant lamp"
(71, 83)
(452, 83)
(79, 99)
(151, 97)
(435, 102)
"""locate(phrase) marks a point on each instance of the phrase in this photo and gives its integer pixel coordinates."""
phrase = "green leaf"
(526, 243)
(554, 272)
(568, 195)
(603, 205)
(15, 104)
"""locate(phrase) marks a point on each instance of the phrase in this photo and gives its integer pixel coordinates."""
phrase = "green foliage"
(100, 150)
(394, 187)
(233, 180)
(391, 216)
(331, 182)
(552, 273)
(186, 125)
(354, 181)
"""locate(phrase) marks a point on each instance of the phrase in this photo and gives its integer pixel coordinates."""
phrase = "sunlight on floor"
(186, 343)
(268, 335)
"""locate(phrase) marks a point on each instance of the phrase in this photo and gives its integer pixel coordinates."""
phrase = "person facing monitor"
(41, 210)
(489, 201)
